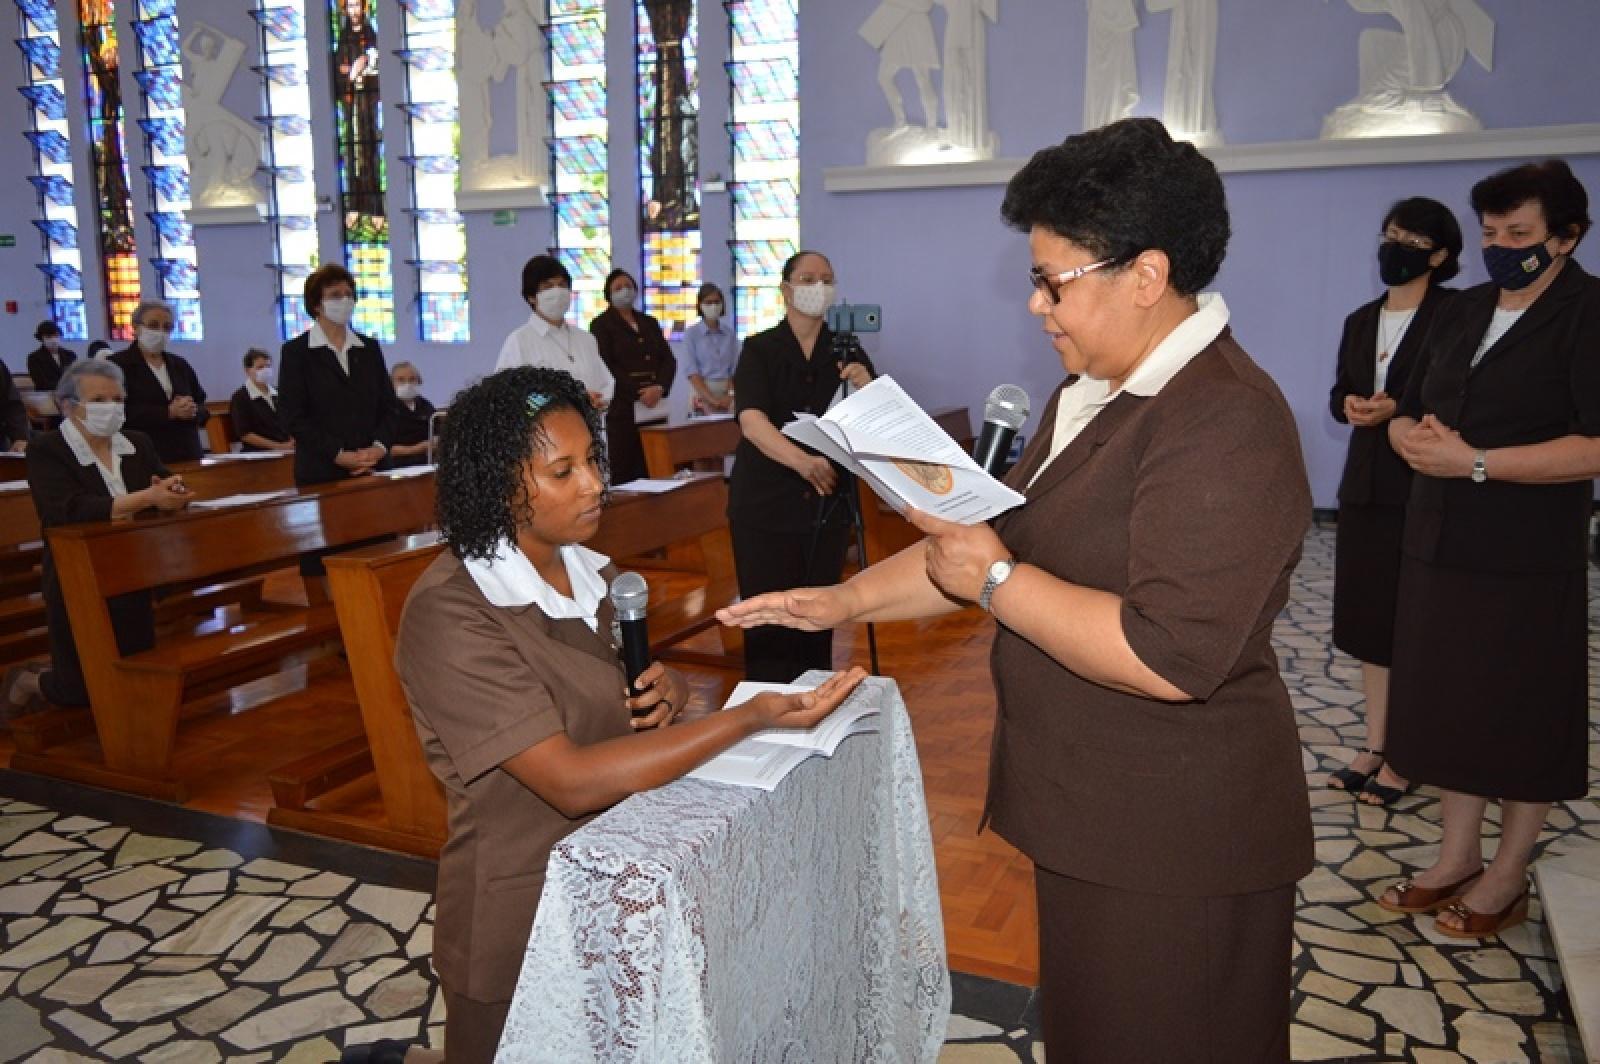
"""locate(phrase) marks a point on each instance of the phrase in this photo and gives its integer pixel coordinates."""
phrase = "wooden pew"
(19, 522)
(214, 478)
(669, 447)
(13, 466)
(369, 591)
(136, 701)
(220, 436)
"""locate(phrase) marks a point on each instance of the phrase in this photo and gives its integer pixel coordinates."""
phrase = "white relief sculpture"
(1111, 74)
(1404, 75)
(902, 32)
(1187, 106)
(515, 47)
(966, 75)
(224, 149)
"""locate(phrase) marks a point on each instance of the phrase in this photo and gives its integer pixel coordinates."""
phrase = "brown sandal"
(1476, 925)
(1410, 898)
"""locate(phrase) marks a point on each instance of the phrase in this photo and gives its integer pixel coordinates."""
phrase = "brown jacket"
(1191, 505)
(485, 684)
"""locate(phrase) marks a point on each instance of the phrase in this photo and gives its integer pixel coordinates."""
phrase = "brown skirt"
(472, 1029)
(1489, 693)
(1366, 575)
(1145, 979)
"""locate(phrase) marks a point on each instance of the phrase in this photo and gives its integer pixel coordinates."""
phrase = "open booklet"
(886, 439)
(764, 759)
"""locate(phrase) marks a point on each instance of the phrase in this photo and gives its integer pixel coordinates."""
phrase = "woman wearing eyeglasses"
(165, 400)
(1378, 352)
(1145, 756)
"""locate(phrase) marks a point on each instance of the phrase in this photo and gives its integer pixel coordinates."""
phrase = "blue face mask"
(1516, 268)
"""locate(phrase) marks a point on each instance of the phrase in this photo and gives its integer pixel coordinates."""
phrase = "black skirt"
(1366, 578)
(1489, 689)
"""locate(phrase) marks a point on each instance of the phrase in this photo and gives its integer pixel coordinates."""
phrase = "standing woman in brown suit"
(636, 352)
(1490, 689)
(1145, 756)
(516, 687)
(1378, 352)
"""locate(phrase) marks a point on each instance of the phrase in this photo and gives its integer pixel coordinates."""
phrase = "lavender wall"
(949, 275)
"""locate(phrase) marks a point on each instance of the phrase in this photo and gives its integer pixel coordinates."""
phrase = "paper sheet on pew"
(649, 486)
(404, 471)
(12, 485)
(242, 456)
(238, 500)
(765, 758)
(887, 440)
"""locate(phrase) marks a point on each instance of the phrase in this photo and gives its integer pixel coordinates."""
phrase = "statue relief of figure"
(1403, 75)
(966, 74)
(224, 149)
(1111, 74)
(483, 58)
(902, 32)
(1187, 107)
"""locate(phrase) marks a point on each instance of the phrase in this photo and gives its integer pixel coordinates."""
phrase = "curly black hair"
(1123, 189)
(1551, 184)
(492, 432)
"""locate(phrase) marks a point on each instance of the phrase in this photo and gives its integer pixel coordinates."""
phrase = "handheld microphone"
(629, 596)
(1005, 411)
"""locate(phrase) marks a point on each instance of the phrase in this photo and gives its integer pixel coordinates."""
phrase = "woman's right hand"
(807, 708)
(168, 495)
(809, 609)
(819, 473)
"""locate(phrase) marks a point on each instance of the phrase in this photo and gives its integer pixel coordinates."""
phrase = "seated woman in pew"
(89, 470)
(413, 417)
(515, 684)
(254, 407)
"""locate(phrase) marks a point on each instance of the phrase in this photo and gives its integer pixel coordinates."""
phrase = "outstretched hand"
(809, 609)
(807, 708)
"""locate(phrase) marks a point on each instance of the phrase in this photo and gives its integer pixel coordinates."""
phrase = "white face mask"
(102, 419)
(812, 300)
(711, 311)
(623, 297)
(262, 376)
(408, 390)
(51, 343)
(339, 310)
(553, 303)
(151, 341)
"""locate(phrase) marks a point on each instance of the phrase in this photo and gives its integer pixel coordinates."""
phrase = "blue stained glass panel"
(444, 317)
(179, 273)
(51, 144)
(429, 10)
(763, 21)
(162, 86)
(159, 37)
(582, 209)
(580, 155)
(763, 81)
(151, 9)
(427, 58)
(432, 111)
(433, 164)
(68, 277)
(171, 182)
(578, 43)
(439, 267)
(292, 174)
(585, 262)
(44, 54)
(284, 23)
(288, 125)
(172, 227)
(165, 133)
(765, 141)
(579, 101)
(438, 216)
(186, 319)
(49, 99)
(42, 13)
(299, 223)
(58, 231)
(756, 200)
(57, 190)
(282, 73)
(574, 7)
(71, 315)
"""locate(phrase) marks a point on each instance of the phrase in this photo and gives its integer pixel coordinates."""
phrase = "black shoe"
(383, 1051)
(1349, 780)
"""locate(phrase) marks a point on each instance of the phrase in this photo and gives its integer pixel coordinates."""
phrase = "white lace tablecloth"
(704, 923)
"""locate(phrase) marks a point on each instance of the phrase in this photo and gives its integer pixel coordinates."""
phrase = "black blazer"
(1373, 473)
(176, 441)
(43, 369)
(327, 411)
(252, 414)
(13, 415)
(411, 426)
(66, 492)
(1539, 382)
(637, 360)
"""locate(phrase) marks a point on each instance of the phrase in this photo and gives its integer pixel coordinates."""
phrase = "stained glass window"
(764, 71)
(669, 159)
(291, 192)
(119, 262)
(45, 92)
(577, 31)
(358, 114)
(160, 77)
(429, 29)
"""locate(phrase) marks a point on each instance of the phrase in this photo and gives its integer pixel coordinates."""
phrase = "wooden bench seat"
(302, 781)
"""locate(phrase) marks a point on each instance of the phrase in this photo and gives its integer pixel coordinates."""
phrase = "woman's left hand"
(856, 374)
(663, 692)
(958, 556)
(1436, 450)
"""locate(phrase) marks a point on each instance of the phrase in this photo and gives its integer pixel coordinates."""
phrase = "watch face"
(999, 569)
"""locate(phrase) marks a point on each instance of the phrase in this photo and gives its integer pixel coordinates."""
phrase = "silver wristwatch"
(999, 572)
(1480, 467)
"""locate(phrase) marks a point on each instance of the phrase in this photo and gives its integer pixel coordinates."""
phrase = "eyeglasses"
(1052, 283)
(1406, 240)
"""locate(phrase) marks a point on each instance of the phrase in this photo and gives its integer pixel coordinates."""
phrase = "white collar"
(120, 444)
(1176, 350)
(318, 338)
(255, 391)
(509, 579)
(541, 326)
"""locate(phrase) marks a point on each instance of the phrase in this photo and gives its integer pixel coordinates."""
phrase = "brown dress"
(486, 683)
(1167, 836)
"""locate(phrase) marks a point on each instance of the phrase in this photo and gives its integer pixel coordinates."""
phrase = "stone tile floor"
(122, 945)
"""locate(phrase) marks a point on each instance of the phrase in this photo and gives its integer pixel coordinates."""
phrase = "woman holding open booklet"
(1145, 755)
(515, 684)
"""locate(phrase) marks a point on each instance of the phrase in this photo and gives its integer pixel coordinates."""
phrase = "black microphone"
(629, 596)
(1005, 411)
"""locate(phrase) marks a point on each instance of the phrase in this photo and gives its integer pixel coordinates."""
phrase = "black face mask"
(1516, 268)
(1399, 263)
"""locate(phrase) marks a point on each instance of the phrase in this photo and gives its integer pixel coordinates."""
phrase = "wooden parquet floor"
(986, 887)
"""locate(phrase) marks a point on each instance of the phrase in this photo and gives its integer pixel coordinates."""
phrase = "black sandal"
(1349, 780)
(1385, 794)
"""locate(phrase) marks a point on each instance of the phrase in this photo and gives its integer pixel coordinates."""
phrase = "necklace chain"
(1386, 340)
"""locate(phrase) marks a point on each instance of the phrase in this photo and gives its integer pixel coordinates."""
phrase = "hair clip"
(537, 401)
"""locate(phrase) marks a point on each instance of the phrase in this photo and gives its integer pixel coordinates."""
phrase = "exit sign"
(8, 240)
